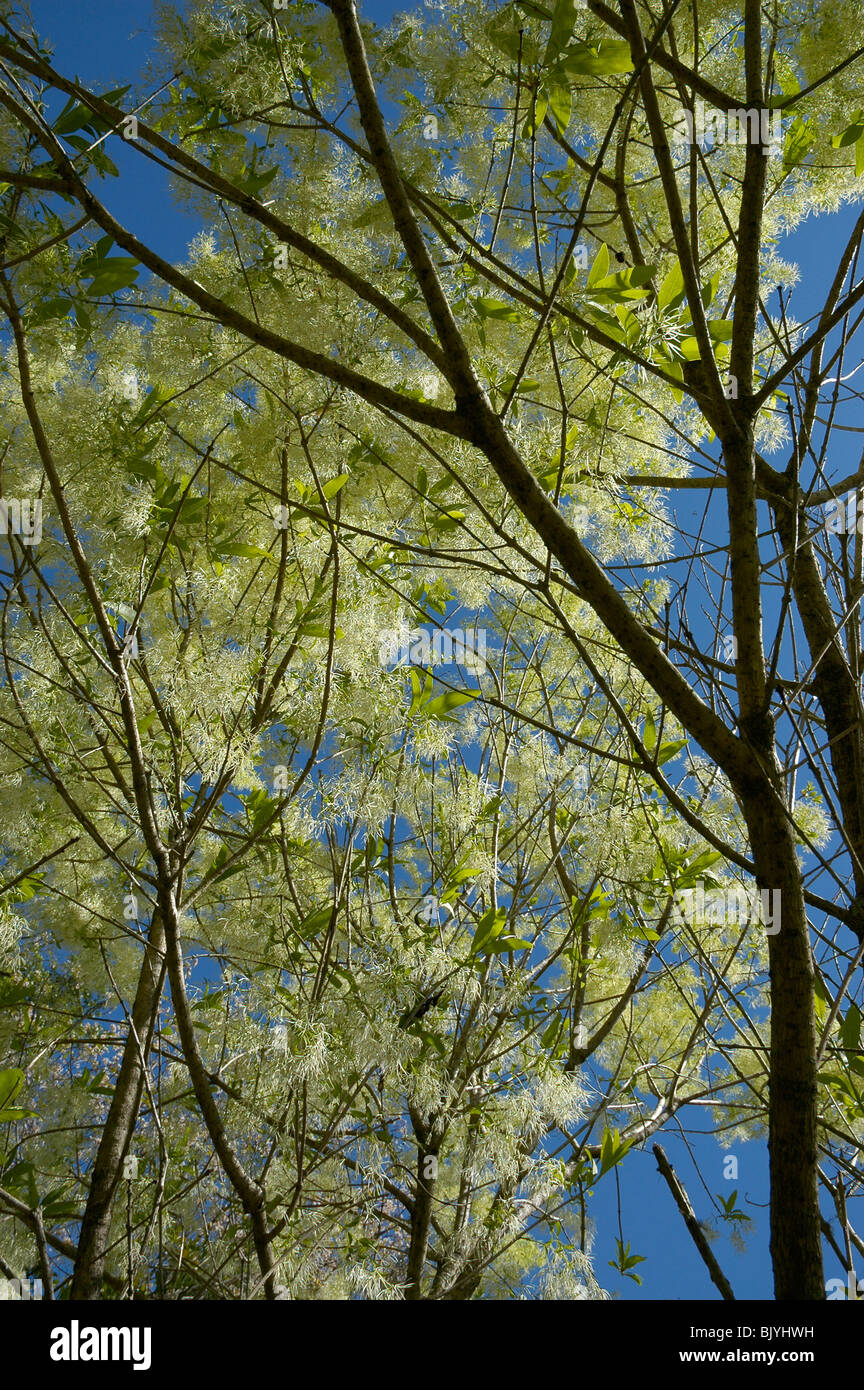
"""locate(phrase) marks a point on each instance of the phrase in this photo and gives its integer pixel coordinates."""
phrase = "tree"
(263, 741)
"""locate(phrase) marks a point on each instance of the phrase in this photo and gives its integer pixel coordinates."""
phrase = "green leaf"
(221, 858)
(851, 135)
(697, 866)
(252, 182)
(21, 1179)
(443, 704)
(495, 309)
(597, 60)
(505, 943)
(564, 19)
(689, 349)
(335, 485)
(11, 1082)
(625, 1261)
(418, 692)
(446, 521)
(155, 398)
(625, 284)
(316, 921)
(76, 116)
(242, 548)
(46, 310)
(720, 330)
(27, 888)
(850, 1028)
(490, 926)
(710, 288)
(797, 144)
(560, 105)
(549, 1036)
(116, 273)
(843, 1084)
(671, 292)
(527, 385)
(649, 733)
(12, 994)
(820, 1003)
(62, 1210)
(140, 466)
(463, 871)
(504, 34)
(612, 1150)
(670, 750)
(260, 808)
(211, 1000)
(637, 275)
(536, 114)
(673, 368)
(600, 268)
(461, 209)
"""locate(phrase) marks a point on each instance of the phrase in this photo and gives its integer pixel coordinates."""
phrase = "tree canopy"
(431, 738)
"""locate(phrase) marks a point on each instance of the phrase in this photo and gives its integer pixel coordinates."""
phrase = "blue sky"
(107, 45)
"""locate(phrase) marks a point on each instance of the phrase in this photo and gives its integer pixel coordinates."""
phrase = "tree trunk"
(796, 1241)
(119, 1127)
